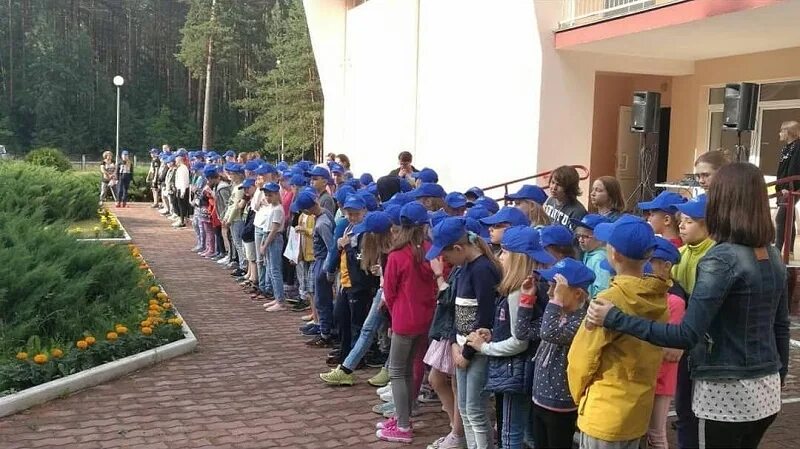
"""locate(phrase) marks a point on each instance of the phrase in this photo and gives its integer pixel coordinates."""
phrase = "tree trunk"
(10, 61)
(208, 109)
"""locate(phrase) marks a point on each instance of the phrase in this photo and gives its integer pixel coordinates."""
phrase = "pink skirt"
(439, 356)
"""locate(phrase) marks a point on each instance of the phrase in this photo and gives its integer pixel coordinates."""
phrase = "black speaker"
(645, 112)
(739, 112)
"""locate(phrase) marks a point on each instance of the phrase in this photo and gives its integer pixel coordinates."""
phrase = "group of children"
(453, 293)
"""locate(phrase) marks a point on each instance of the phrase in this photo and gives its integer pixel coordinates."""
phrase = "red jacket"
(409, 288)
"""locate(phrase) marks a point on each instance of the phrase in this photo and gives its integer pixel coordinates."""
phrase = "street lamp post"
(282, 123)
(118, 81)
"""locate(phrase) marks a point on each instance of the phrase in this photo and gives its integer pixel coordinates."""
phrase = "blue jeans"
(274, 263)
(473, 402)
(323, 298)
(236, 234)
(201, 236)
(371, 325)
(516, 414)
(123, 186)
(264, 284)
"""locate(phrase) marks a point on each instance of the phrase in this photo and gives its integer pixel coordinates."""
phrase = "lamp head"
(119, 81)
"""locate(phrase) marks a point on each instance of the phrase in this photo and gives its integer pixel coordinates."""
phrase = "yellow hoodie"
(612, 376)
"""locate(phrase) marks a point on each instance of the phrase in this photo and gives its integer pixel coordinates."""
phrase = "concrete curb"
(40, 394)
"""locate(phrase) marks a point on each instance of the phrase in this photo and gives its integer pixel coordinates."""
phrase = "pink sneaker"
(395, 435)
(388, 424)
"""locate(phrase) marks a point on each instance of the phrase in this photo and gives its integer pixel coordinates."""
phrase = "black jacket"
(789, 165)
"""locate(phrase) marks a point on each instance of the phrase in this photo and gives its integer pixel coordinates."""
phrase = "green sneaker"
(337, 376)
(380, 379)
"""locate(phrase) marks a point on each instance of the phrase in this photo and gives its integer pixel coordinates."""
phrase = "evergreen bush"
(49, 157)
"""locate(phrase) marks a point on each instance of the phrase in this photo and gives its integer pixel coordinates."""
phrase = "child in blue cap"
(476, 292)
(603, 363)
(662, 215)
(504, 218)
(665, 256)
(594, 251)
(558, 241)
(152, 176)
(554, 410)
(530, 199)
(522, 254)
(697, 242)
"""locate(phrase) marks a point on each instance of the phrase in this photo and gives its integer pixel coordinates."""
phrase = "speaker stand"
(645, 190)
(742, 153)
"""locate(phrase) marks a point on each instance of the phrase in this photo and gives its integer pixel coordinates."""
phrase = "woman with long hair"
(737, 322)
(606, 197)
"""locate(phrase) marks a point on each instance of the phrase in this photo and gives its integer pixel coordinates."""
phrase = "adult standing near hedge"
(737, 322)
(152, 176)
(124, 177)
(182, 183)
(108, 172)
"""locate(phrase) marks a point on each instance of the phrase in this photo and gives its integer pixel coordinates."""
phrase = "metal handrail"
(505, 185)
(789, 221)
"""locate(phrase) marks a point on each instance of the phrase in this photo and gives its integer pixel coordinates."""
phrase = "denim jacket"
(737, 322)
(442, 327)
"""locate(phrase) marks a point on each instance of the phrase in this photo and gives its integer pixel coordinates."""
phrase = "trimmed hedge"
(49, 157)
(26, 189)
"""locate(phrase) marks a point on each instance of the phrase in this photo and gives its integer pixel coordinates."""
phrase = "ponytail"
(473, 239)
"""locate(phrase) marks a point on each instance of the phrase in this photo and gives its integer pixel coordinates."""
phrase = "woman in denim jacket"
(737, 322)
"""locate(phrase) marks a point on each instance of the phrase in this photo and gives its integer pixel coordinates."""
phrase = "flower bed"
(105, 228)
(44, 359)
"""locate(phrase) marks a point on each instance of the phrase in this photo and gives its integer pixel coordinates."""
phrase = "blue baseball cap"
(476, 227)
(342, 193)
(320, 172)
(413, 214)
(529, 192)
(354, 202)
(170, 158)
(426, 175)
(490, 204)
(373, 189)
(369, 200)
(399, 199)
(229, 153)
(405, 186)
(336, 168)
(477, 212)
(589, 221)
(526, 240)
(665, 250)
(606, 265)
(474, 191)
(665, 201)
(377, 222)
(193, 154)
(428, 190)
(366, 179)
(393, 210)
(210, 172)
(576, 273)
(154, 151)
(199, 165)
(282, 166)
(247, 183)
(437, 217)
(446, 233)
(182, 152)
(233, 167)
(297, 180)
(305, 200)
(200, 154)
(125, 152)
(455, 200)
(271, 187)
(631, 236)
(251, 165)
(556, 235)
(508, 214)
(354, 183)
(266, 169)
(695, 208)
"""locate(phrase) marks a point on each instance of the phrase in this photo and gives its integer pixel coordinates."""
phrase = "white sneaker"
(224, 260)
(384, 390)
(386, 397)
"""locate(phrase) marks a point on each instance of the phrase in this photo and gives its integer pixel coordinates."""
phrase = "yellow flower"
(111, 336)
(22, 356)
(82, 344)
(56, 353)
(122, 330)
(147, 330)
(90, 340)
(154, 289)
(40, 359)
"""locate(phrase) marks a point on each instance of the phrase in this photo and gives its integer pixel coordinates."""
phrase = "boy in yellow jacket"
(612, 376)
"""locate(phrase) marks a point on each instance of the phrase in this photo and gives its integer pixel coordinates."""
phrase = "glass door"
(766, 144)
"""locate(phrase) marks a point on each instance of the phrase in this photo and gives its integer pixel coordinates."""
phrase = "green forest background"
(58, 59)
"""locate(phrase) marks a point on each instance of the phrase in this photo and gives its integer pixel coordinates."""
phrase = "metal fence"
(88, 163)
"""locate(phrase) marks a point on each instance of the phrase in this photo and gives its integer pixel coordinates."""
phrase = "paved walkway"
(250, 384)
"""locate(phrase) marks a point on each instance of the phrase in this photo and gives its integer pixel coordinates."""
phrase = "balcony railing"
(577, 13)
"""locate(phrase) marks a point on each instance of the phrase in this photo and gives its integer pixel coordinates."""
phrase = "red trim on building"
(668, 15)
